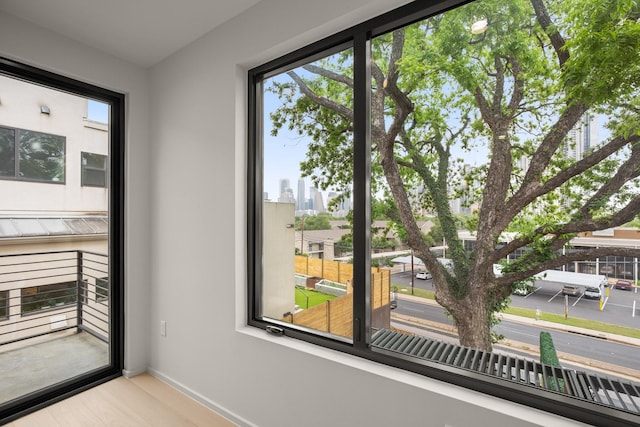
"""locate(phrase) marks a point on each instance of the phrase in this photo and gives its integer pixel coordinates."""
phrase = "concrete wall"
(186, 180)
(279, 279)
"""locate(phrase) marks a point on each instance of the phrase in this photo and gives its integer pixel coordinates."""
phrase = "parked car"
(523, 290)
(424, 275)
(623, 284)
(571, 290)
(593, 292)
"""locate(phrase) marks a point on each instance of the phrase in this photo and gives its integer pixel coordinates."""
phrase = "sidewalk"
(505, 344)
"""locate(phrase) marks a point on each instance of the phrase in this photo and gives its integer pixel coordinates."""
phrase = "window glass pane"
(7, 152)
(97, 111)
(4, 304)
(41, 156)
(489, 172)
(54, 239)
(307, 270)
(102, 289)
(48, 296)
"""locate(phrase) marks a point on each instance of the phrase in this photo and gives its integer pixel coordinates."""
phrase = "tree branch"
(572, 171)
(532, 186)
(557, 41)
(340, 78)
(325, 102)
(621, 217)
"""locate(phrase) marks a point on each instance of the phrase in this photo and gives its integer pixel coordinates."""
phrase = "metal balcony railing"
(48, 292)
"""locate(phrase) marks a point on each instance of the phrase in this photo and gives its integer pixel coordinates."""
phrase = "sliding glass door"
(61, 144)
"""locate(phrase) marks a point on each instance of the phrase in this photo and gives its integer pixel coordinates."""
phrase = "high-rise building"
(284, 186)
(312, 197)
(301, 203)
(318, 203)
(582, 137)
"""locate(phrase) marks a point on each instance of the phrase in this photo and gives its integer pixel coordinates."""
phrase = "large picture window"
(446, 170)
(41, 156)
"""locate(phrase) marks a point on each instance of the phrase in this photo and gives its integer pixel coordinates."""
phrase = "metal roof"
(22, 227)
(616, 393)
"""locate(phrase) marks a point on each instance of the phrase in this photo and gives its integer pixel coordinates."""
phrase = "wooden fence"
(336, 316)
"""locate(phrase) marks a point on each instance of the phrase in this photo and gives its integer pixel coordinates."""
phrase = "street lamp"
(302, 218)
(413, 277)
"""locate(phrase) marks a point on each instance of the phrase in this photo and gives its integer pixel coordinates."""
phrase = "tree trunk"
(470, 316)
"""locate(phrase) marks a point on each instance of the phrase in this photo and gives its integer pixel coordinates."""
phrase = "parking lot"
(617, 307)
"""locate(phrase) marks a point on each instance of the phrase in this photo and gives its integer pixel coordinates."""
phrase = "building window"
(40, 156)
(4, 305)
(102, 289)
(46, 297)
(464, 116)
(94, 170)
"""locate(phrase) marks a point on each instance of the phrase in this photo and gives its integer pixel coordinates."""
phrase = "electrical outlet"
(163, 328)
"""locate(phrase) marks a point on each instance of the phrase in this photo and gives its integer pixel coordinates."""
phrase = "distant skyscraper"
(301, 201)
(318, 203)
(582, 137)
(312, 198)
(284, 186)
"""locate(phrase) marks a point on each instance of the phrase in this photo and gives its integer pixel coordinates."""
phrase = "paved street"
(618, 309)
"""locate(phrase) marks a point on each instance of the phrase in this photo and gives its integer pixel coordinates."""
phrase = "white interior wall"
(185, 216)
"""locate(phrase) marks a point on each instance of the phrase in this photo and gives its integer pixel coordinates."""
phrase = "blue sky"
(98, 111)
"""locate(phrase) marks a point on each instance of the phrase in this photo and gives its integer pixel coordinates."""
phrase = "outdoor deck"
(59, 357)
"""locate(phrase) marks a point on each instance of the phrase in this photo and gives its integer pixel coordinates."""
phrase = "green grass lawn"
(574, 321)
(313, 298)
(549, 317)
(406, 290)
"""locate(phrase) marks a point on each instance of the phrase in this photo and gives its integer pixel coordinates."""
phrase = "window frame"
(17, 132)
(360, 37)
(85, 168)
(116, 201)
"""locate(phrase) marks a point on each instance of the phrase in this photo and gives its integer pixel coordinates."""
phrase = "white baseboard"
(130, 374)
(241, 422)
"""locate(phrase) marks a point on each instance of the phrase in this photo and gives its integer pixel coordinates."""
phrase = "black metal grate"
(610, 392)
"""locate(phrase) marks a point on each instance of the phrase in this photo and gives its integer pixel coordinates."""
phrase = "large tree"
(514, 91)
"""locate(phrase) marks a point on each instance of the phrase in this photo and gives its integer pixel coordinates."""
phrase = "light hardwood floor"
(141, 401)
